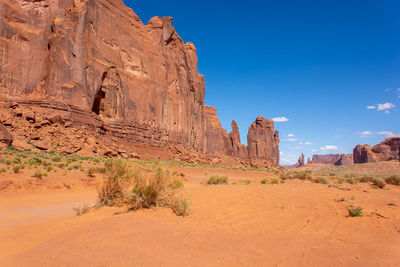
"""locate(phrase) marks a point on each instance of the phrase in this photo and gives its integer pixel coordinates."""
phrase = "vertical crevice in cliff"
(108, 100)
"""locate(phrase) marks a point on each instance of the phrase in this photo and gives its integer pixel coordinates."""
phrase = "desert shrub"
(76, 166)
(306, 175)
(321, 180)
(46, 163)
(379, 182)
(91, 172)
(394, 180)
(38, 174)
(182, 175)
(247, 181)
(49, 168)
(176, 184)
(16, 169)
(366, 179)
(3, 170)
(217, 179)
(350, 180)
(80, 210)
(264, 181)
(8, 162)
(274, 181)
(355, 212)
(149, 190)
(117, 173)
(22, 166)
(16, 160)
(181, 206)
(61, 165)
(56, 159)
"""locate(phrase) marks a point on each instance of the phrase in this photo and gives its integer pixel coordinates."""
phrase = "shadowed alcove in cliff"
(107, 101)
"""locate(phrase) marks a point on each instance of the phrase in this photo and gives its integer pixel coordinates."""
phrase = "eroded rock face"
(93, 63)
(334, 159)
(97, 55)
(263, 141)
(385, 151)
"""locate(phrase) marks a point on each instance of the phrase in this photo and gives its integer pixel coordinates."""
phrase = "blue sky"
(332, 67)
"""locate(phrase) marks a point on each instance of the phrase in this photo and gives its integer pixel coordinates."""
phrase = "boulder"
(5, 136)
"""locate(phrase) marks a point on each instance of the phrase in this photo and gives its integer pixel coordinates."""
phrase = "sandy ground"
(292, 224)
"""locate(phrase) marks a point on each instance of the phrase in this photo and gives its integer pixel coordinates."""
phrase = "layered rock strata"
(94, 64)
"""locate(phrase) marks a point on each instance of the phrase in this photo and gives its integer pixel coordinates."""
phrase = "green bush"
(274, 181)
(355, 212)
(264, 181)
(217, 179)
(176, 184)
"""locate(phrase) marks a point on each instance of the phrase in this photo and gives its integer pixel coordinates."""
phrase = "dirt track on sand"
(292, 224)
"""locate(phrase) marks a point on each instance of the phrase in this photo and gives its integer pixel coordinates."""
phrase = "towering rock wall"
(96, 55)
(384, 151)
(96, 62)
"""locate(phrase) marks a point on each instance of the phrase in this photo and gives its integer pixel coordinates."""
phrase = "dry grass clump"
(117, 174)
(366, 179)
(149, 190)
(321, 180)
(80, 210)
(305, 175)
(176, 184)
(379, 182)
(394, 180)
(16, 169)
(181, 206)
(139, 189)
(217, 179)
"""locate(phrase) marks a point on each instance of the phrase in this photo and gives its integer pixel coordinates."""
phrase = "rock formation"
(5, 136)
(94, 64)
(385, 151)
(334, 159)
(262, 140)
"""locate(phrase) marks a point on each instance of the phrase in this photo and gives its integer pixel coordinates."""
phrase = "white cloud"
(387, 134)
(387, 112)
(371, 107)
(385, 106)
(388, 89)
(291, 135)
(291, 139)
(280, 119)
(314, 150)
(289, 159)
(366, 134)
(308, 143)
(301, 143)
(329, 148)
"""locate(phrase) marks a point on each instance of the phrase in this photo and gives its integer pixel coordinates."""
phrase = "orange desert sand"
(297, 223)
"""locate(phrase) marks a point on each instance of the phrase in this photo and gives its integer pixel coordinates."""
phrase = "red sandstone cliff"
(94, 63)
(384, 151)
